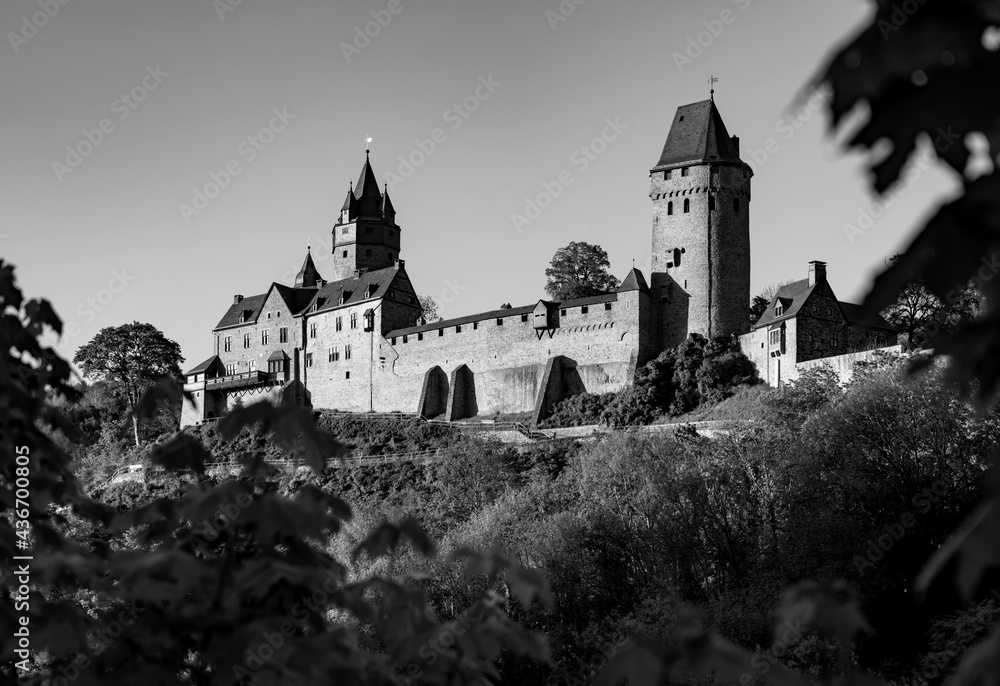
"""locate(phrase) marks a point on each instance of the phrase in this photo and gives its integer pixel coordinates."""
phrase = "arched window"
(677, 257)
(670, 207)
(687, 205)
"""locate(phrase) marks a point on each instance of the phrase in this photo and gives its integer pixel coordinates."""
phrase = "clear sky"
(184, 88)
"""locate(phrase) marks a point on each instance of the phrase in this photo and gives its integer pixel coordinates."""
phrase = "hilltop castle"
(356, 342)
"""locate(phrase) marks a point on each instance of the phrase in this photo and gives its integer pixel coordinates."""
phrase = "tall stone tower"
(701, 227)
(366, 236)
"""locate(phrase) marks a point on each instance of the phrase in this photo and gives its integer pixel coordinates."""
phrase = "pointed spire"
(388, 211)
(350, 204)
(367, 193)
(308, 275)
(633, 282)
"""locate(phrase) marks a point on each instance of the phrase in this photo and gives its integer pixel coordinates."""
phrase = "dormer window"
(779, 309)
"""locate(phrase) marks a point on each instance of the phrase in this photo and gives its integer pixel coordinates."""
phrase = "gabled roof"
(278, 355)
(251, 306)
(697, 134)
(634, 282)
(210, 363)
(377, 282)
(350, 203)
(795, 294)
(297, 299)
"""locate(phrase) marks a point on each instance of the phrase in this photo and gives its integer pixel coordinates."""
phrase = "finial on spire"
(712, 81)
(368, 144)
(309, 244)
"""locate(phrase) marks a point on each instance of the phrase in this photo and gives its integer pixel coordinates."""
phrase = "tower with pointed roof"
(366, 236)
(701, 227)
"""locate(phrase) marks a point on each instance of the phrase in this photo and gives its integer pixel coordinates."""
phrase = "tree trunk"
(135, 426)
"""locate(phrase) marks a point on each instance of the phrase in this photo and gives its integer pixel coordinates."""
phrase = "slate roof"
(251, 306)
(497, 314)
(795, 295)
(307, 276)
(634, 282)
(367, 192)
(697, 134)
(354, 287)
(205, 366)
(300, 300)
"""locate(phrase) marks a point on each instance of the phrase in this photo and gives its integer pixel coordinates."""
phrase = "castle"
(357, 343)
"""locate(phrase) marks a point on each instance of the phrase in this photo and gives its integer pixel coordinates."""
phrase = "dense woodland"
(636, 530)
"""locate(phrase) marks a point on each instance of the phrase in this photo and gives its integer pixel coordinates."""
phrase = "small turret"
(388, 211)
(308, 276)
(349, 211)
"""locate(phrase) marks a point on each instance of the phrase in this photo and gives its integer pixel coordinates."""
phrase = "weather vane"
(712, 81)
(368, 142)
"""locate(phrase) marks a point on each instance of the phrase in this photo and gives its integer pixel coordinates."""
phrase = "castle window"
(230, 370)
(229, 343)
(347, 352)
(347, 375)
(685, 171)
(475, 325)
(268, 315)
(354, 320)
(405, 339)
(584, 310)
(263, 337)
(779, 309)
(711, 202)
(440, 332)
(246, 340)
(499, 321)
(252, 365)
(392, 341)
(736, 204)
(687, 205)
(283, 334)
(392, 293)
(340, 323)
(562, 312)
(334, 353)
(420, 337)
(458, 329)
(667, 174)
(312, 331)
(607, 307)
(670, 207)
(677, 257)
(309, 360)
(278, 314)
(524, 317)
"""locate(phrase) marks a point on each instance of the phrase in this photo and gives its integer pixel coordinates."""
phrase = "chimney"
(817, 272)
(736, 144)
(237, 299)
